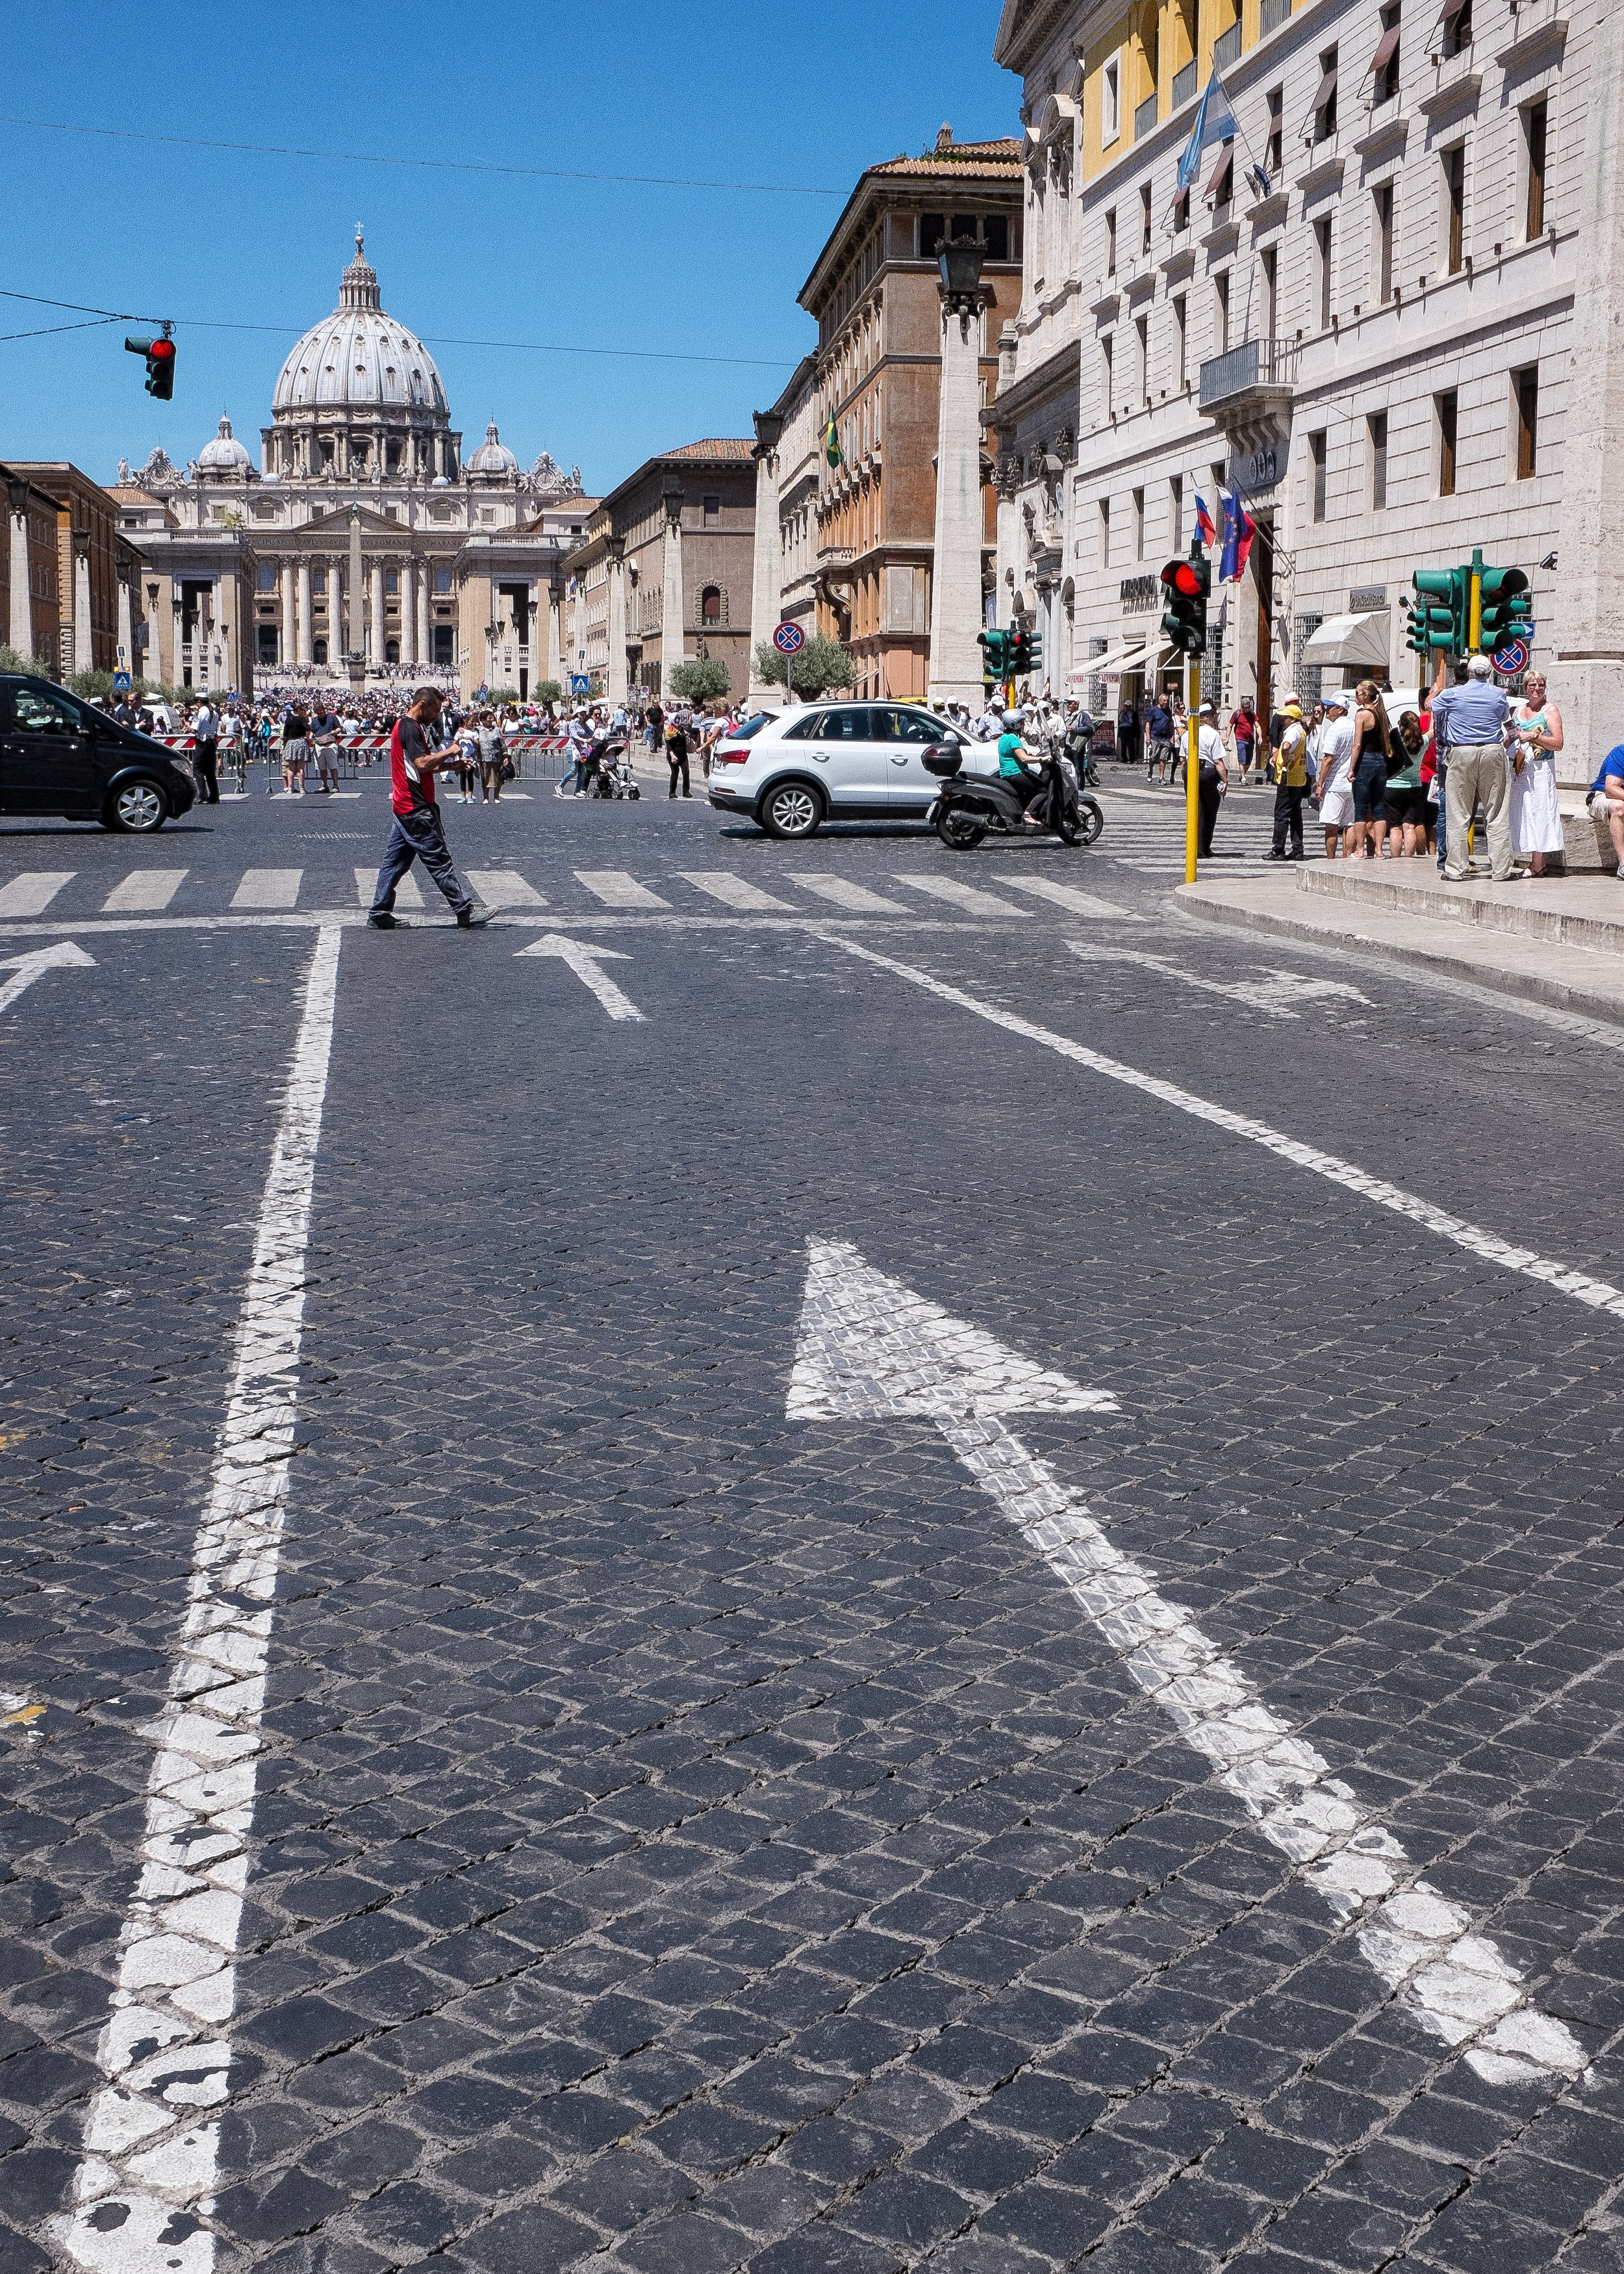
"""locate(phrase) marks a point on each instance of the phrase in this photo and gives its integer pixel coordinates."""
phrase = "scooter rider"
(1014, 772)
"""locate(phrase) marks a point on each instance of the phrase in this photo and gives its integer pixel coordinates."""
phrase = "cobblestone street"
(944, 1597)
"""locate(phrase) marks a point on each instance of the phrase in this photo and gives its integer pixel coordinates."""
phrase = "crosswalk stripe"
(268, 888)
(964, 896)
(618, 888)
(1067, 896)
(143, 889)
(847, 895)
(32, 893)
(504, 888)
(408, 893)
(723, 885)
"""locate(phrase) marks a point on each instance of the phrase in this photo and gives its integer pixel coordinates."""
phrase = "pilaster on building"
(1358, 318)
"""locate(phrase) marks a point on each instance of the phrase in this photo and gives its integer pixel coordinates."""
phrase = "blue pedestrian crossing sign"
(580, 682)
(121, 683)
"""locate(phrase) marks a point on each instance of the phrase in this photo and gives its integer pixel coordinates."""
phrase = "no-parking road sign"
(1512, 658)
(788, 638)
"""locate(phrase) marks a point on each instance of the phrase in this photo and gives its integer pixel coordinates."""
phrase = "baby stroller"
(612, 773)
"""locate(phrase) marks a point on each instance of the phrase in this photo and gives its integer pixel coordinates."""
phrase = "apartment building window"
(995, 236)
(1138, 524)
(1221, 187)
(1220, 314)
(1455, 209)
(1106, 359)
(1274, 149)
(1322, 270)
(1110, 243)
(1268, 271)
(1382, 244)
(1181, 340)
(1141, 360)
(712, 511)
(1227, 45)
(1180, 211)
(1316, 474)
(1175, 511)
(1105, 532)
(1449, 409)
(1534, 147)
(1457, 26)
(1525, 389)
(1145, 220)
(1385, 61)
(1322, 117)
(1376, 428)
(1110, 101)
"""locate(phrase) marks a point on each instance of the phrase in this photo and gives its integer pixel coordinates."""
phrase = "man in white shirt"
(1212, 777)
(231, 743)
(205, 752)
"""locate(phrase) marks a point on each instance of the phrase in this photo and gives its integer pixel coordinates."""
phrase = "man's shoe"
(380, 919)
(1277, 855)
(1298, 855)
(469, 918)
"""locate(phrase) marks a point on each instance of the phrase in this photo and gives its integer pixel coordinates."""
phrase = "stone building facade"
(31, 594)
(868, 525)
(83, 570)
(1360, 318)
(251, 565)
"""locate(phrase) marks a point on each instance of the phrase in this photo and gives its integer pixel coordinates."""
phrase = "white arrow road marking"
(149, 2160)
(868, 1348)
(1598, 1294)
(1275, 993)
(582, 958)
(63, 956)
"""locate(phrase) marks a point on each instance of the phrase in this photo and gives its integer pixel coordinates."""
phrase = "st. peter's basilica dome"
(359, 358)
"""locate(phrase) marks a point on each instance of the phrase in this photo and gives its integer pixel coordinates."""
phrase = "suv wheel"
(136, 808)
(795, 809)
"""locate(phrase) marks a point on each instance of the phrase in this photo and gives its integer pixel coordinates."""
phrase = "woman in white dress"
(1536, 730)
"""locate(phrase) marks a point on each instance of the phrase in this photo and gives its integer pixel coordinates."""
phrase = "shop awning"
(1349, 640)
(1130, 657)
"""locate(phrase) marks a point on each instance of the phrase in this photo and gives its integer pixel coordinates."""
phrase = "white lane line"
(869, 1347)
(844, 894)
(32, 892)
(143, 889)
(581, 956)
(1067, 896)
(733, 891)
(1598, 1294)
(964, 896)
(268, 888)
(1275, 993)
(148, 2168)
(35, 964)
(618, 888)
(408, 893)
(504, 888)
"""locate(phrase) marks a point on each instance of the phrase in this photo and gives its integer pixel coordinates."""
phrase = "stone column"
(20, 633)
(378, 615)
(305, 609)
(125, 657)
(152, 666)
(408, 611)
(955, 673)
(672, 648)
(556, 667)
(426, 645)
(84, 649)
(177, 651)
(290, 615)
(615, 680)
(229, 624)
(354, 593)
(1588, 681)
(766, 562)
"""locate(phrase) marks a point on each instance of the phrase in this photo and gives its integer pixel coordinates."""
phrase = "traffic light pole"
(1474, 635)
(1192, 767)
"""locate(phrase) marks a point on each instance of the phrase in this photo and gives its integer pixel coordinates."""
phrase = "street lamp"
(672, 493)
(961, 264)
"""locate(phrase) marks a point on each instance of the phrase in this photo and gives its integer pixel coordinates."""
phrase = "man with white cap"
(1479, 773)
(1292, 782)
(1333, 783)
(1213, 776)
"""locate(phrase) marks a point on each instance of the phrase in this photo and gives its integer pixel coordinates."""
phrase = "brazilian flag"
(832, 443)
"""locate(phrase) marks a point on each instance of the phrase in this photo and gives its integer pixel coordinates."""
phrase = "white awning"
(1349, 640)
(1117, 658)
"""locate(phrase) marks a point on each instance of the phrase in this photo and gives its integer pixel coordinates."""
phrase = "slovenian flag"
(1237, 537)
(1206, 534)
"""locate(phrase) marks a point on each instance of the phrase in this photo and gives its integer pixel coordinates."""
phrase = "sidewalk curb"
(1190, 902)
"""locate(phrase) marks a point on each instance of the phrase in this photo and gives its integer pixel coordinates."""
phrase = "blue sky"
(769, 93)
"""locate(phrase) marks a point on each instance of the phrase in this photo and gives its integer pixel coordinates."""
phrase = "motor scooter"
(969, 807)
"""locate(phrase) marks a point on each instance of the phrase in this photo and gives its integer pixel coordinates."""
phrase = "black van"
(57, 756)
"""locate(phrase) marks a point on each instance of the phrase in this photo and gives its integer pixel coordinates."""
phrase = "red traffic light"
(1181, 577)
(161, 352)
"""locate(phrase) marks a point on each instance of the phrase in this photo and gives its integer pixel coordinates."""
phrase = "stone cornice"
(1064, 367)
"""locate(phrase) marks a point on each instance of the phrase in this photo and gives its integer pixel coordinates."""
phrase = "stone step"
(1588, 845)
(1584, 912)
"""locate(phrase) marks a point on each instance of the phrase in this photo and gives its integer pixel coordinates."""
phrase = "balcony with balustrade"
(1248, 390)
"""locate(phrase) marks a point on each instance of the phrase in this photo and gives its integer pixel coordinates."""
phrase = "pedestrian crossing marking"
(964, 896)
(857, 898)
(408, 893)
(504, 888)
(733, 891)
(618, 888)
(268, 888)
(143, 889)
(32, 892)
(1067, 896)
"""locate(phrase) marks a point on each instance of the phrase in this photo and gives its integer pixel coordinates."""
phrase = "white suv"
(791, 771)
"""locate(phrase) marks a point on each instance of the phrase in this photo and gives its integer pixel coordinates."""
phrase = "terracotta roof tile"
(713, 447)
(1003, 155)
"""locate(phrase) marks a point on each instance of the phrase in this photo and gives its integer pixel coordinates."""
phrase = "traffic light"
(160, 354)
(1415, 627)
(1443, 608)
(1504, 606)
(995, 648)
(1026, 652)
(1186, 585)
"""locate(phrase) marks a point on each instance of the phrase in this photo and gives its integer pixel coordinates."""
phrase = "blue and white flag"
(1214, 122)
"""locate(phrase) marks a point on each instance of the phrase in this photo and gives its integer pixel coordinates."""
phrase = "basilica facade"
(364, 542)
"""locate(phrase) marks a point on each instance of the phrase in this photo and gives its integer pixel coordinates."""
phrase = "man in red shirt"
(419, 834)
(1244, 727)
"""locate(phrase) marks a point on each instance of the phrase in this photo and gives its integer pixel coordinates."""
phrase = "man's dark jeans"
(419, 837)
(679, 766)
(204, 756)
(1288, 814)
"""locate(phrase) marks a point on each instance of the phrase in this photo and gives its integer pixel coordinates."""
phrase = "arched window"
(710, 606)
